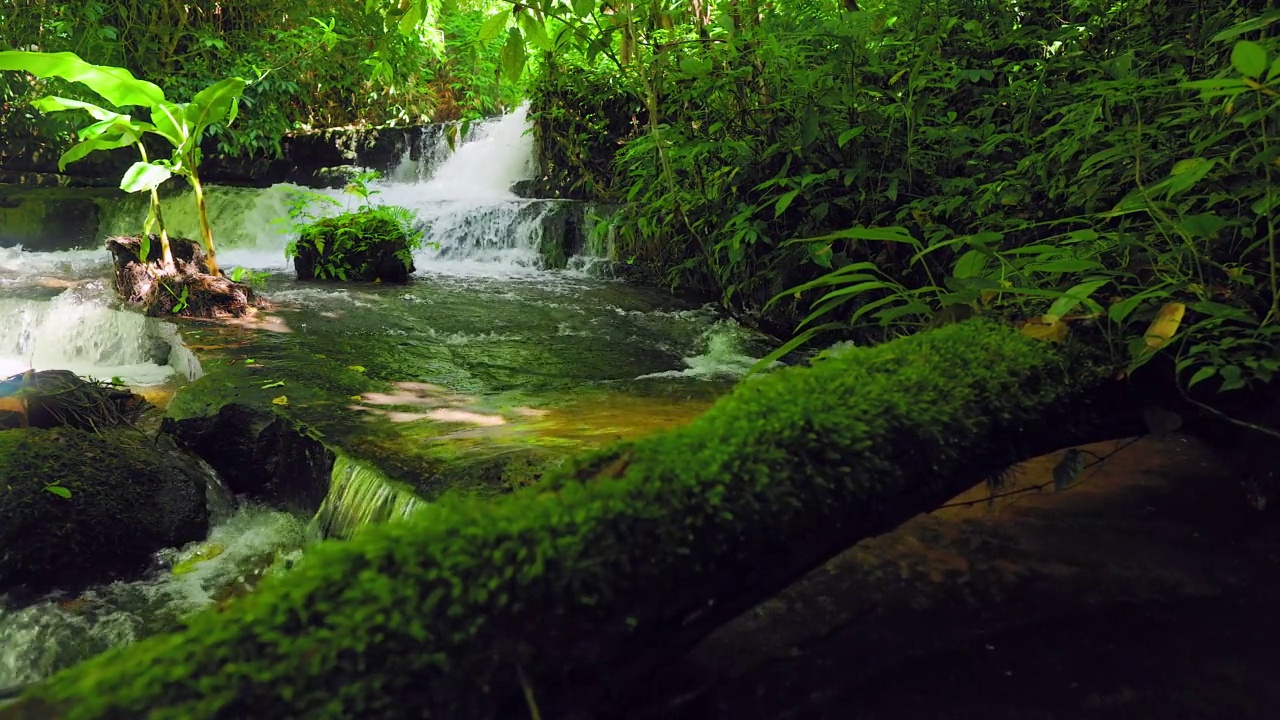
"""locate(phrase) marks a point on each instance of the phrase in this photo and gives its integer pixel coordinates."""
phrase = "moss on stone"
(374, 244)
(124, 499)
(615, 556)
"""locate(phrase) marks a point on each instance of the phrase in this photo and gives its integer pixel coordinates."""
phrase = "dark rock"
(188, 290)
(355, 247)
(79, 509)
(259, 454)
(60, 398)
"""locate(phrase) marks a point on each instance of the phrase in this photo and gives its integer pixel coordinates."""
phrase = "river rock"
(258, 453)
(56, 398)
(78, 508)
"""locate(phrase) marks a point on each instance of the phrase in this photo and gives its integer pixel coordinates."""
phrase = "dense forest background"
(864, 168)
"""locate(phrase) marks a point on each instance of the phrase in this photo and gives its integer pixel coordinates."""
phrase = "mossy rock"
(78, 509)
(368, 246)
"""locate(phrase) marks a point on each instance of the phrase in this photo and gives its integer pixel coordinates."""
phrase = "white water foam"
(76, 331)
(723, 356)
(40, 639)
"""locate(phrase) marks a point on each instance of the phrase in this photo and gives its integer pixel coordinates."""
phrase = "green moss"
(126, 500)
(613, 555)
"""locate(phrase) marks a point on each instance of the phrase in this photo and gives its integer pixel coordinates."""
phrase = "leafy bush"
(361, 244)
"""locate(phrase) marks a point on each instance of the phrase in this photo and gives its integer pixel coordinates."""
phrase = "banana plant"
(184, 125)
(181, 124)
(112, 130)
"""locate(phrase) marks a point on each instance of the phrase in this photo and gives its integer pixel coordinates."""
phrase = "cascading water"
(484, 324)
(360, 495)
(76, 331)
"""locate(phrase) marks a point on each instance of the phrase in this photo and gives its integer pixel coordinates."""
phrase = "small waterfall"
(78, 332)
(473, 223)
(360, 495)
(249, 224)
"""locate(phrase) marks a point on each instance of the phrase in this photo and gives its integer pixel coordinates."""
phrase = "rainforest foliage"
(310, 63)
(879, 167)
(862, 167)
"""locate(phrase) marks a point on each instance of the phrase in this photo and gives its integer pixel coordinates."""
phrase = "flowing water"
(487, 347)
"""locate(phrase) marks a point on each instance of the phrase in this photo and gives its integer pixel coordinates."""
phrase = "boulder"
(78, 509)
(259, 454)
(57, 398)
(367, 246)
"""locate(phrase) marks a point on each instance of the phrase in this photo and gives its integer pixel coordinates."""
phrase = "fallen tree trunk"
(622, 560)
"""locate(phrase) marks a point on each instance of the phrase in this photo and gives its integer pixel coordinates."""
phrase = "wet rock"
(78, 509)
(187, 291)
(57, 398)
(355, 247)
(259, 454)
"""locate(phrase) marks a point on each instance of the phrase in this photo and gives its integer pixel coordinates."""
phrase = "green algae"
(611, 556)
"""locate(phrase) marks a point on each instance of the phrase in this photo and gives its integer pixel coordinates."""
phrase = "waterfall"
(360, 495)
(472, 221)
(76, 331)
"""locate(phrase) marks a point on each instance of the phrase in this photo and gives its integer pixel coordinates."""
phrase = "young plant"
(183, 125)
(112, 130)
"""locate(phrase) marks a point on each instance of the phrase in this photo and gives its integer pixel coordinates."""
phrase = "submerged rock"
(78, 509)
(187, 291)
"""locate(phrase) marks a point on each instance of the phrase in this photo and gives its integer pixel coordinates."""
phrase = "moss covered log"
(617, 561)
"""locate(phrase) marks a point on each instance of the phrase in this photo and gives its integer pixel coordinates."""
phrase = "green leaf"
(784, 202)
(1201, 375)
(116, 85)
(214, 104)
(170, 121)
(534, 31)
(53, 103)
(1249, 58)
(83, 148)
(494, 25)
(1202, 225)
(886, 234)
(412, 18)
(970, 264)
(144, 176)
(1248, 26)
(849, 134)
(1076, 295)
(583, 8)
(59, 490)
(513, 55)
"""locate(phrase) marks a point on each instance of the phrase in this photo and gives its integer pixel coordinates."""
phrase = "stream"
(527, 347)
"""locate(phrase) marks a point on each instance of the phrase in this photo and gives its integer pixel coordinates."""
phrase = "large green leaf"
(214, 104)
(93, 144)
(143, 176)
(513, 55)
(116, 85)
(170, 120)
(53, 103)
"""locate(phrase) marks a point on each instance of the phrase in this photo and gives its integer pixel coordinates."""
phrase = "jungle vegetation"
(824, 168)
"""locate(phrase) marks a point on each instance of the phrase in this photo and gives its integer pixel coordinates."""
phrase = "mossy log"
(621, 559)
